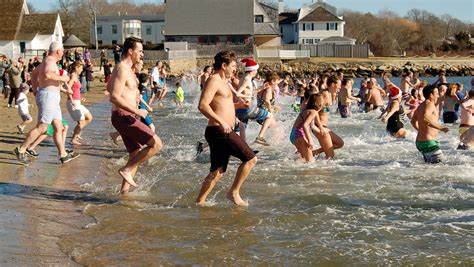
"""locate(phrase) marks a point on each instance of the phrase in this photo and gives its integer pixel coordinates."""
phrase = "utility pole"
(95, 30)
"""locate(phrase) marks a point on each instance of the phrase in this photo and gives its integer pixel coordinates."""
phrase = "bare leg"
(38, 140)
(269, 122)
(129, 170)
(208, 184)
(125, 185)
(242, 172)
(58, 137)
(302, 147)
(65, 129)
(32, 136)
(77, 132)
(326, 144)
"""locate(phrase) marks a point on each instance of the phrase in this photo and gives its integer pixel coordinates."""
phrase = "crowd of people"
(229, 101)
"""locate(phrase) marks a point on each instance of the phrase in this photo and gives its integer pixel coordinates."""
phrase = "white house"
(113, 30)
(25, 34)
(312, 24)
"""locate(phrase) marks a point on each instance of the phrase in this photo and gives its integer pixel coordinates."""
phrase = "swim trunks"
(344, 111)
(50, 130)
(76, 110)
(295, 133)
(223, 145)
(450, 117)
(430, 150)
(49, 108)
(134, 132)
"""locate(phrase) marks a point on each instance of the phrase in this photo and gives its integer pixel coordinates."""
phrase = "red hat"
(250, 64)
(395, 92)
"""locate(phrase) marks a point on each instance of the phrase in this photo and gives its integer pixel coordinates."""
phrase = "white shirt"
(155, 74)
(22, 102)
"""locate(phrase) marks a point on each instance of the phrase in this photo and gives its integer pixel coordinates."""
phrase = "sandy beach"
(38, 203)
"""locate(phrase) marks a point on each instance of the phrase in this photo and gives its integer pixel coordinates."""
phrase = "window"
(309, 41)
(148, 30)
(99, 29)
(308, 27)
(99, 42)
(331, 26)
(317, 41)
(114, 42)
(114, 29)
(259, 18)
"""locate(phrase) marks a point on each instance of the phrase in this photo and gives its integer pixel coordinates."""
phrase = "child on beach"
(179, 97)
(413, 102)
(301, 136)
(23, 107)
(144, 99)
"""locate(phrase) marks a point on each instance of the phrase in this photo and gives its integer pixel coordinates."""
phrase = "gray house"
(112, 30)
(220, 21)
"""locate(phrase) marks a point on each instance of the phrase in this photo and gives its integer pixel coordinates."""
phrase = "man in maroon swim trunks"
(217, 105)
(140, 141)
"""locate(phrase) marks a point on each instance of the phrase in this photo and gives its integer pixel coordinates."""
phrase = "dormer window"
(258, 18)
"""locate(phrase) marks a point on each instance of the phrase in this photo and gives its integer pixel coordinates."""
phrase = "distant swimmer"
(141, 142)
(392, 115)
(466, 128)
(406, 83)
(47, 83)
(346, 98)
(374, 97)
(217, 105)
(425, 121)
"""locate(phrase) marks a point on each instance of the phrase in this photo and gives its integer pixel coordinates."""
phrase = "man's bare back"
(375, 98)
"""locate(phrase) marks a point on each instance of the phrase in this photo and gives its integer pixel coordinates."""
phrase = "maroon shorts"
(135, 133)
(223, 145)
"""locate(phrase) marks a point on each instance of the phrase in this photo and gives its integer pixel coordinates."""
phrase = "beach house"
(313, 24)
(25, 34)
(205, 22)
(113, 30)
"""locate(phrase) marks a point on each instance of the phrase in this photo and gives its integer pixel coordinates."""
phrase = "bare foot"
(127, 176)
(237, 200)
(115, 137)
(75, 142)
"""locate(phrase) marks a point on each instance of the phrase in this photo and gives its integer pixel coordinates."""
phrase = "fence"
(283, 54)
(330, 50)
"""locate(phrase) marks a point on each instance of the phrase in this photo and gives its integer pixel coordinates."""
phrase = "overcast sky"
(461, 9)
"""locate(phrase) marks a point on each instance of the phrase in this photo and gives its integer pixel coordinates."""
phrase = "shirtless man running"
(217, 105)
(141, 142)
(47, 85)
(425, 121)
(466, 128)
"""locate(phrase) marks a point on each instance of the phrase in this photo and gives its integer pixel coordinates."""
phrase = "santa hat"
(250, 64)
(395, 92)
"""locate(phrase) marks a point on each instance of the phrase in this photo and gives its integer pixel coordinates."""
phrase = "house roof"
(288, 18)
(11, 18)
(33, 24)
(73, 41)
(209, 17)
(265, 28)
(320, 14)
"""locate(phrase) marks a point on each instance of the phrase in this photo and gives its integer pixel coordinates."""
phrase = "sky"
(460, 9)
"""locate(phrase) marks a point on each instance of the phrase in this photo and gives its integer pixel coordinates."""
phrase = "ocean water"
(377, 202)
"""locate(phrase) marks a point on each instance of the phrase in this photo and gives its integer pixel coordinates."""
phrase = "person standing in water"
(141, 142)
(466, 128)
(216, 103)
(392, 114)
(425, 121)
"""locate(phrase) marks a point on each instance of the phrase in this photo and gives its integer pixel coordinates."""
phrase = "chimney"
(281, 6)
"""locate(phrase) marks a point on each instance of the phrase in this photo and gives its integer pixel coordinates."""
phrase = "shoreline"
(44, 201)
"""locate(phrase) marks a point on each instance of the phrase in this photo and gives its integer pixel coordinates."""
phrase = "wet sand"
(43, 201)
